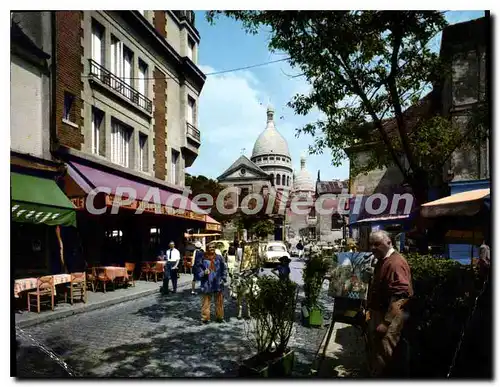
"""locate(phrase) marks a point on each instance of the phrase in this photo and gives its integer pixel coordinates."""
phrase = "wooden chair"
(77, 286)
(91, 279)
(156, 270)
(130, 271)
(45, 287)
(102, 277)
(145, 270)
(187, 264)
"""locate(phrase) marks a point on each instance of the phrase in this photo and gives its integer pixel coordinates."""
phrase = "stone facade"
(151, 104)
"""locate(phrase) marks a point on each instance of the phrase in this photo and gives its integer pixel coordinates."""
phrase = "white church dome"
(303, 181)
(270, 141)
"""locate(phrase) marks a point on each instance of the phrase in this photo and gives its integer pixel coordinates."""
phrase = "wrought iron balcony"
(192, 132)
(115, 83)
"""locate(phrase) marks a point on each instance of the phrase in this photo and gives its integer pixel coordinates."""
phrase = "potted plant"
(313, 276)
(272, 309)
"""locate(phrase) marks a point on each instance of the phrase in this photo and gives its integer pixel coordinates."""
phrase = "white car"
(274, 251)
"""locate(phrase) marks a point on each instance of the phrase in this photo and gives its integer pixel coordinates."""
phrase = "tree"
(365, 66)
(204, 185)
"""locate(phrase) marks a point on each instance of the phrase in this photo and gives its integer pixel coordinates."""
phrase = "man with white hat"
(197, 261)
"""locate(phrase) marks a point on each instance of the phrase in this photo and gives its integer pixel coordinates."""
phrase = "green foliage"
(444, 292)
(272, 311)
(364, 67)
(313, 276)
(203, 185)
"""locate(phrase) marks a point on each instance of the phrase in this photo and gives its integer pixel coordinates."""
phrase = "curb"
(56, 315)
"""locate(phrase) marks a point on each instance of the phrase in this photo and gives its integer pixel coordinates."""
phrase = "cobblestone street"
(159, 336)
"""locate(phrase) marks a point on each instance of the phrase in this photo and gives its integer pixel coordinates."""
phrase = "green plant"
(313, 276)
(272, 309)
(444, 292)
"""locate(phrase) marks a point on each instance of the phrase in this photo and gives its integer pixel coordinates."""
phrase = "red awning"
(89, 178)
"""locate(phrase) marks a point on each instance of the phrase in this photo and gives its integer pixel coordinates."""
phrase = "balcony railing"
(193, 132)
(118, 85)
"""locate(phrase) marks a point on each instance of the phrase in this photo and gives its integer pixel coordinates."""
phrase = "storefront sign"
(213, 227)
(79, 203)
(154, 208)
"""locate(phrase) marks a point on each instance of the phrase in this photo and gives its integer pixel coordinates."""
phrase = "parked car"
(274, 251)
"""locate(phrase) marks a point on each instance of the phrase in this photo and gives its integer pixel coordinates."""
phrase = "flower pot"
(311, 317)
(315, 317)
(268, 365)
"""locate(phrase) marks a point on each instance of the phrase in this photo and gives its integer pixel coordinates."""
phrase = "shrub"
(272, 311)
(444, 291)
(313, 275)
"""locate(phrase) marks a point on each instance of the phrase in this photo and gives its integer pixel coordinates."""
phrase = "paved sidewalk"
(96, 300)
(345, 355)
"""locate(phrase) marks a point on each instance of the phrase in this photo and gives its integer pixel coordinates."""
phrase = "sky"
(232, 106)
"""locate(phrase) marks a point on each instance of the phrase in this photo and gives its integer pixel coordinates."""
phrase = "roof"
(331, 186)
(270, 141)
(424, 108)
(243, 161)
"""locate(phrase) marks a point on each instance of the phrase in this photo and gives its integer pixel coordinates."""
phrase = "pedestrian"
(213, 274)
(484, 261)
(171, 268)
(389, 292)
(239, 251)
(197, 261)
(283, 269)
(300, 247)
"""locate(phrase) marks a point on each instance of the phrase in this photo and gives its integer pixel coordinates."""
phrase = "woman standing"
(197, 260)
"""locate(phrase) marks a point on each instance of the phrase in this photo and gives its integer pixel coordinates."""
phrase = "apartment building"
(126, 96)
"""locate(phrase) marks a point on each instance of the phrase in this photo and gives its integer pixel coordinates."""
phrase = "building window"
(97, 42)
(68, 109)
(271, 158)
(121, 61)
(142, 85)
(337, 222)
(278, 179)
(243, 194)
(175, 167)
(154, 236)
(97, 122)
(191, 111)
(265, 158)
(120, 143)
(114, 235)
(288, 181)
(190, 49)
(143, 152)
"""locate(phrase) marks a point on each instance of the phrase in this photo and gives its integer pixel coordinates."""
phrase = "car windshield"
(276, 248)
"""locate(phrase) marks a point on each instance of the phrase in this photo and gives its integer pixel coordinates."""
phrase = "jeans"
(171, 275)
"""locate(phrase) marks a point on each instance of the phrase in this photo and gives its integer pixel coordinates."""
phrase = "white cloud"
(232, 113)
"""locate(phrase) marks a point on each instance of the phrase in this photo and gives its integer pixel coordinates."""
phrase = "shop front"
(119, 228)
(39, 213)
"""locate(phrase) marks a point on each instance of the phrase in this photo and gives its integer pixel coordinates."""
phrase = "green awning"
(40, 201)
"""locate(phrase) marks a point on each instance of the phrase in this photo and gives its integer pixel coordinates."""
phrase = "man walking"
(171, 268)
(389, 291)
(213, 274)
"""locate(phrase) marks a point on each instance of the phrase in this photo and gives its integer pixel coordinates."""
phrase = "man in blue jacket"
(212, 271)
